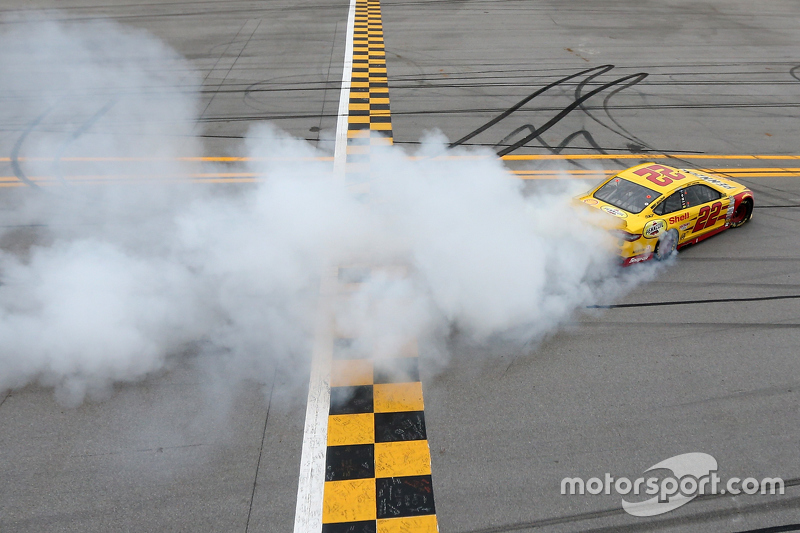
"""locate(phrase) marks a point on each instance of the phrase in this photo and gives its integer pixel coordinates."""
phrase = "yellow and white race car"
(657, 209)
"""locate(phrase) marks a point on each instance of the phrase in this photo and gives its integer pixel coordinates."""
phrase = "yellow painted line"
(414, 524)
(250, 177)
(581, 174)
(234, 180)
(763, 175)
(534, 157)
(150, 159)
(744, 169)
(378, 100)
(559, 176)
(13, 181)
(48, 183)
(575, 172)
(764, 170)
(140, 177)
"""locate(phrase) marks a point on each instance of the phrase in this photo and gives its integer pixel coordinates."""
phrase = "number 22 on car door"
(706, 207)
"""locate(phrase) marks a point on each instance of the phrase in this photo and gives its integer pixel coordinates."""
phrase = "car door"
(673, 210)
(707, 208)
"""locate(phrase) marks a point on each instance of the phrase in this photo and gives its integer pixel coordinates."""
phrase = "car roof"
(629, 174)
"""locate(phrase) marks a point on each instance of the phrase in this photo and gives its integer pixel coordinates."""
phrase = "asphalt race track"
(704, 358)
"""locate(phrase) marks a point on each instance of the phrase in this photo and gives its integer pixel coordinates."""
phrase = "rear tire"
(667, 245)
(742, 214)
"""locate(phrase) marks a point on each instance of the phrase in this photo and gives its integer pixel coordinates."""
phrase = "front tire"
(667, 244)
(742, 214)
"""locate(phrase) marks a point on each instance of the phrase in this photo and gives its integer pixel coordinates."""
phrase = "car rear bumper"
(641, 258)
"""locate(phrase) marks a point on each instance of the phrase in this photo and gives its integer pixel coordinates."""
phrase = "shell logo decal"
(589, 201)
(654, 228)
(614, 211)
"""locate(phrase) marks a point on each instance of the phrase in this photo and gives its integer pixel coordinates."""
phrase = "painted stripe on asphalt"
(377, 463)
(513, 157)
(209, 159)
(251, 177)
(309, 507)
(529, 157)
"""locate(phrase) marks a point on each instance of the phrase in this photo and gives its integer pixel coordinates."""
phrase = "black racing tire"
(743, 213)
(667, 245)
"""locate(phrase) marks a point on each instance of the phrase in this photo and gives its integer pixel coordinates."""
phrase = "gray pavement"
(621, 389)
(179, 451)
(616, 391)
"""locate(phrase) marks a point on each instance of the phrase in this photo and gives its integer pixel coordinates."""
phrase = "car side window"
(671, 204)
(700, 194)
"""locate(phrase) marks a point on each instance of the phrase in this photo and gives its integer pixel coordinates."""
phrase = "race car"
(656, 209)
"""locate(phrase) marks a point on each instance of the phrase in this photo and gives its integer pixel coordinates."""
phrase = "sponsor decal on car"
(614, 211)
(654, 228)
(678, 218)
(637, 259)
(729, 212)
(590, 201)
(686, 226)
(709, 179)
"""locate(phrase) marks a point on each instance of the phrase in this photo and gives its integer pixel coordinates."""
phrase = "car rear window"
(626, 195)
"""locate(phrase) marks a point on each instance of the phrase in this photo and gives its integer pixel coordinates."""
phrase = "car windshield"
(626, 195)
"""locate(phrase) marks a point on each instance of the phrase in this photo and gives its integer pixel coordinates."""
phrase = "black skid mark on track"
(77, 134)
(15, 151)
(562, 114)
(690, 302)
(535, 133)
(15, 166)
(516, 107)
(619, 129)
(561, 146)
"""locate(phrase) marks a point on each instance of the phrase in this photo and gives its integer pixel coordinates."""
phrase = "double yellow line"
(763, 172)
(359, 173)
(369, 124)
(375, 99)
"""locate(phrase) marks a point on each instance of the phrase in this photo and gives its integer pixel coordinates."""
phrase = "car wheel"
(742, 214)
(667, 245)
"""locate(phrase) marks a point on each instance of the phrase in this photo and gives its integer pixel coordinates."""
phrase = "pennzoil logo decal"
(614, 211)
(654, 228)
(590, 201)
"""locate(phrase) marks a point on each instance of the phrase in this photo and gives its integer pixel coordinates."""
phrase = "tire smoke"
(107, 282)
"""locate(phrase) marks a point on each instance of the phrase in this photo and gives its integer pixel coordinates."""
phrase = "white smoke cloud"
(124, 276)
